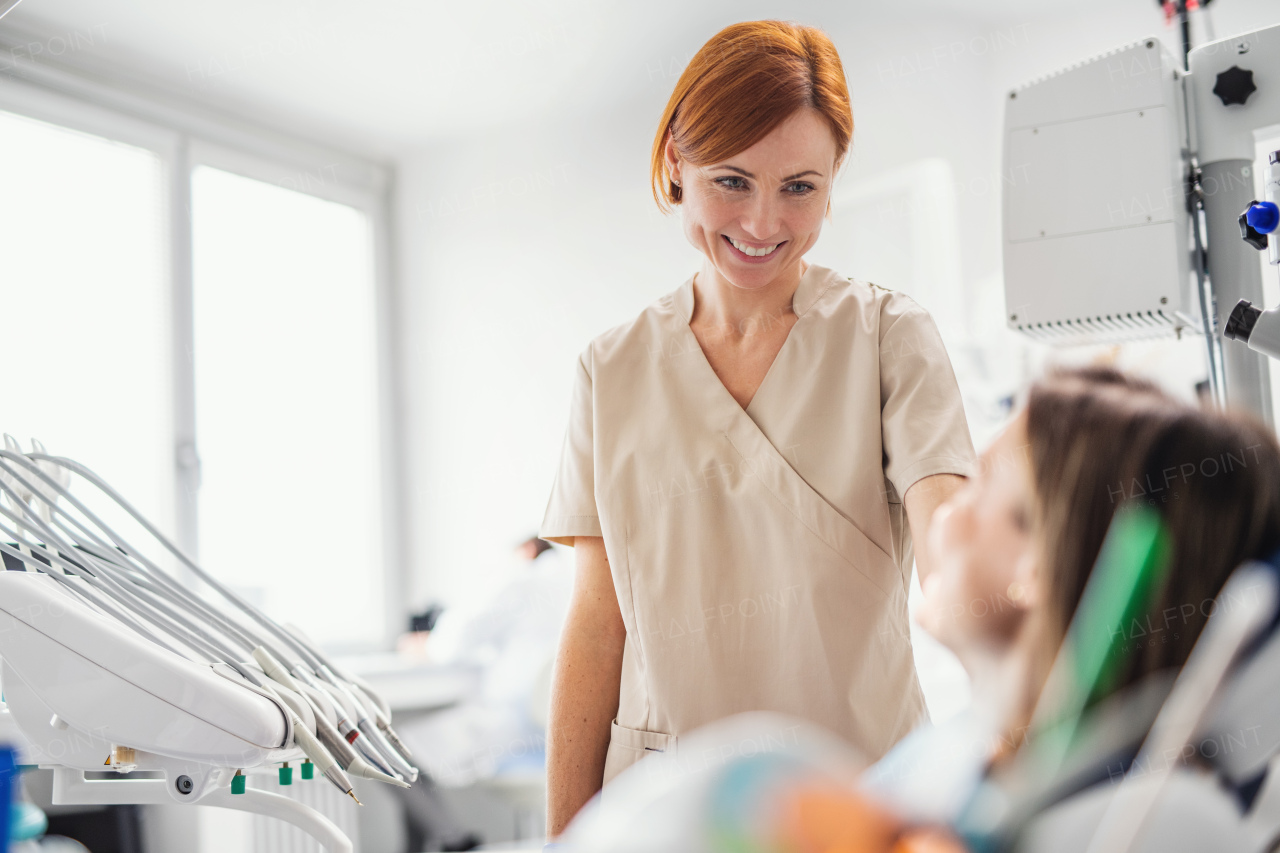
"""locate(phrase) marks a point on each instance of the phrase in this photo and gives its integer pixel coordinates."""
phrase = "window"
(84, 276)
(286, 403)
(194, 301)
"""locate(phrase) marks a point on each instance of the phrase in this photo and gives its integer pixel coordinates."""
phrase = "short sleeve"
(923, 426)
(572, 509)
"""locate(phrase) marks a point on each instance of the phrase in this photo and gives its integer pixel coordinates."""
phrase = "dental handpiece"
(276, 670)
(210, 648)
(402, 767)
(312, 666)
(391, 748)
(342, 748)
(384, 724)
(361, 707)
(347, 717)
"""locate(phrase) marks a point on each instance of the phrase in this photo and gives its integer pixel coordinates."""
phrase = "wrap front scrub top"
(761, 556)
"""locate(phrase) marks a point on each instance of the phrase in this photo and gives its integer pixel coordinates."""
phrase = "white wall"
(516, 249)
(519, 246)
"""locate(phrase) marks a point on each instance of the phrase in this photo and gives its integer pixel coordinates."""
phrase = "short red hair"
(748, 79)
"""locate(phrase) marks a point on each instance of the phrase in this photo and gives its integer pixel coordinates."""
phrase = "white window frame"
(186, 135)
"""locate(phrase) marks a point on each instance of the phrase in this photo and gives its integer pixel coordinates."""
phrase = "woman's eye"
(726, 182)
(800, 188)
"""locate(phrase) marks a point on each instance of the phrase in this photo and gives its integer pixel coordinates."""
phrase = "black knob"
(1234, 86)
(185, 784)
(1253, 237)
(1241, 322)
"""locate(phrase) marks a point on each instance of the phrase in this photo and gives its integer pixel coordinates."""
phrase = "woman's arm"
(925, 496)
(584, 687)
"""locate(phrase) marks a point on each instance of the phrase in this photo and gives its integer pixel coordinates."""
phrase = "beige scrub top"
(761, 557)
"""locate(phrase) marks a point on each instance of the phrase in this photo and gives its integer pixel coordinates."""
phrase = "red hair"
(744, 82)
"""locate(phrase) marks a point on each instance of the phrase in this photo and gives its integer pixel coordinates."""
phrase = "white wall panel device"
(1096, 234)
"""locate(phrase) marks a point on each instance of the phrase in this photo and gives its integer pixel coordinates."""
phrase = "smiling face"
(755, 214)
(984, 578)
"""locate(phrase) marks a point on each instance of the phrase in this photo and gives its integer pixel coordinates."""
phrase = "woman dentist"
(748, 460)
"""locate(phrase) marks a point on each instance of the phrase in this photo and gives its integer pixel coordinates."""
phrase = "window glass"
(286, 404)
(83, 287)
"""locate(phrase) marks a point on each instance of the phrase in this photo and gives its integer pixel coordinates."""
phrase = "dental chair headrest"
(1239, 738)
(1242, 733)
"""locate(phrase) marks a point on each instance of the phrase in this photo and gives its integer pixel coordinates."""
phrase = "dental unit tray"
(111, 667)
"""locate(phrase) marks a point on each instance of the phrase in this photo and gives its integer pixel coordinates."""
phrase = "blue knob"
(1263, 217)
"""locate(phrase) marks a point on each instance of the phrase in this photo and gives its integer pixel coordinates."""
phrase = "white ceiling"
(385, 76)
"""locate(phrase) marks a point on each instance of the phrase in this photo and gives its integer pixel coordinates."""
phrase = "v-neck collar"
(813, 283)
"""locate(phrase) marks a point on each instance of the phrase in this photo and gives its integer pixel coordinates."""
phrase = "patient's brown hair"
(1100, 442)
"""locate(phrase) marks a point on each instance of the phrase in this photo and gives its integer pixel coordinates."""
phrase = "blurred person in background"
(508, 632)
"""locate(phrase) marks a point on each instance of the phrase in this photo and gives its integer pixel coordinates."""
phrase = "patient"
(1014, 549)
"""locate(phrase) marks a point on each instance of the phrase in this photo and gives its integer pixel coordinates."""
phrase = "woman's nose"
(760, 220)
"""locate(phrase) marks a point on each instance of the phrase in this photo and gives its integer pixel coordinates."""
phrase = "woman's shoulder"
(874, 305)
(651, 328)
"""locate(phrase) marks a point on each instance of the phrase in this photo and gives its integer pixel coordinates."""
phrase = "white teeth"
(755, 253)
